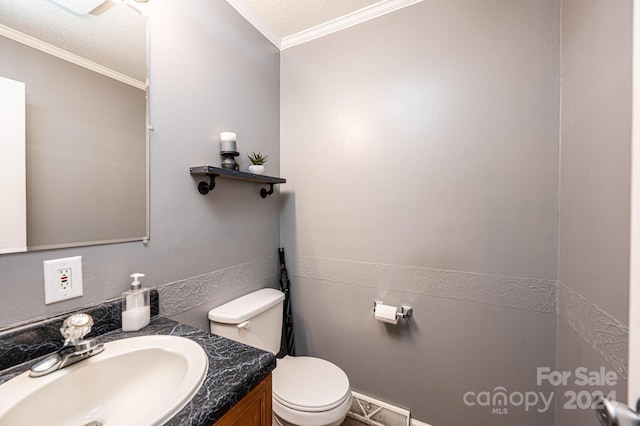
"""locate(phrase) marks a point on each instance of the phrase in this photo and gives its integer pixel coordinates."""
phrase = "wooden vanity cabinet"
(252, 410)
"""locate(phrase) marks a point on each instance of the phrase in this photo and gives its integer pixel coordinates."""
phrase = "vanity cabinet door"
(253, 410)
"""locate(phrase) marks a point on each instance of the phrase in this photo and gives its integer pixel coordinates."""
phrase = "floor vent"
(372, 412)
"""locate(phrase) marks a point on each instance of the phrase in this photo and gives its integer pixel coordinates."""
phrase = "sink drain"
(93, 424)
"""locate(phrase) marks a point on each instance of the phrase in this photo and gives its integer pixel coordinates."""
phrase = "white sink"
(137, 381)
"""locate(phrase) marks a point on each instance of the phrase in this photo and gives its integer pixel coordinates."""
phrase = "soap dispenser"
(136, 311)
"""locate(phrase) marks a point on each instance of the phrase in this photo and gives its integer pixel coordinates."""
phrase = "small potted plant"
(257, 162)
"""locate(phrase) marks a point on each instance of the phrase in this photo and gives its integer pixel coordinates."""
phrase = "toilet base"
(333, 417)
(277, 421)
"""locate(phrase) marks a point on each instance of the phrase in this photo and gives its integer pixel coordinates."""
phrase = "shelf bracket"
(204, 187)
(264, 193)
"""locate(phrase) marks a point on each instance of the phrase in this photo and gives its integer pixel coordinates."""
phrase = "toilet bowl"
(307, 391)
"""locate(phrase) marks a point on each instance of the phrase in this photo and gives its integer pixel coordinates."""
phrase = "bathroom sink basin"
(136, 381)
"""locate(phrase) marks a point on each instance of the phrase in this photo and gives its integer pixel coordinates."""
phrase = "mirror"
(85, 81)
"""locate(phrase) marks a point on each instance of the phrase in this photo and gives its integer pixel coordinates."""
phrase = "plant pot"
(256, 169)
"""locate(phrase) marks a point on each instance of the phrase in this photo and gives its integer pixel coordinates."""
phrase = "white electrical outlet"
(62, 279)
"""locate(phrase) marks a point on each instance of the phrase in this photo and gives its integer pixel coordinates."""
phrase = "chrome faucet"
(75, 349)
(614, 413)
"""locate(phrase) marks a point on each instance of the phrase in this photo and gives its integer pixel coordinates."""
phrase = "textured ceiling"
(287, 17)
(113, 35)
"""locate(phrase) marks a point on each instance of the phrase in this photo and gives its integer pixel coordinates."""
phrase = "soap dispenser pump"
(136, 311)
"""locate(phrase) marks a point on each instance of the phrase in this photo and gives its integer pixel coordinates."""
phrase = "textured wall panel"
(521, 293)
(181, 296)
(604, 333)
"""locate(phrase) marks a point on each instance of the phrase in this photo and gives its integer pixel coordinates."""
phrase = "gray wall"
(210, 71)
(595, 187)
(421, 151)
(423, 175)
(85, 143)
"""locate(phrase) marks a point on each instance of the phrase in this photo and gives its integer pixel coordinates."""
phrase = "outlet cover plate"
(62, 279)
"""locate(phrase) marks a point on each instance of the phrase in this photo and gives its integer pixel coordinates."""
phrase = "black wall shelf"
(214, 172)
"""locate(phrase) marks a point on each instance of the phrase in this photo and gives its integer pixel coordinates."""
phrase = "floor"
(352, 422)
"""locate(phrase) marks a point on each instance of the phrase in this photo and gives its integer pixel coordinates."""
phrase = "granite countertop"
(234, 370)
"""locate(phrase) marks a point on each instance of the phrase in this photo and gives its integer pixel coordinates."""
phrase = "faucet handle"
(75, 327)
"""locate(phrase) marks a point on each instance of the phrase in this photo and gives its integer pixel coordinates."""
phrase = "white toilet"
(306, 391)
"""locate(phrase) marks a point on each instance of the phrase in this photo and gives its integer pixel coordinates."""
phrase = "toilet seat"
(310, 385)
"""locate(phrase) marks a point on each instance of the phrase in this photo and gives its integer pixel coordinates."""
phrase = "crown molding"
(245, 11)
(359, 16)
(70, 57)
(79, 7)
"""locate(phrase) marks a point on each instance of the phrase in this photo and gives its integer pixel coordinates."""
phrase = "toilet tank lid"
(246, 307)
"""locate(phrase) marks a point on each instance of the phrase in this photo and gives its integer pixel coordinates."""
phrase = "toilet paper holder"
(406, 312)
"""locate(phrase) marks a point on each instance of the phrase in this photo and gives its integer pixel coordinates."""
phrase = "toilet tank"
(254, 319)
